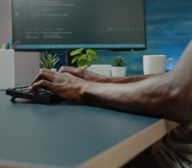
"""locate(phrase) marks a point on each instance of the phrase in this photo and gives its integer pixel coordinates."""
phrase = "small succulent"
(48, 61)
(83, 57)
(118, 61)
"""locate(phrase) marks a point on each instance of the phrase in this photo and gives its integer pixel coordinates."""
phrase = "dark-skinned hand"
(64, 84)
(84, 74)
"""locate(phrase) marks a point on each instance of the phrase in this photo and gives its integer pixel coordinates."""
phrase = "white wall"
(27, 64)
(5, 20)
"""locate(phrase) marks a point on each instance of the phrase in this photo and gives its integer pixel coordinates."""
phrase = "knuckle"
(67, 75)
(42, 73)
(42, 70)
(42, 82)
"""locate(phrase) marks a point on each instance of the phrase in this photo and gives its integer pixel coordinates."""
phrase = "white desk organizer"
(17, 68)
(7, 69)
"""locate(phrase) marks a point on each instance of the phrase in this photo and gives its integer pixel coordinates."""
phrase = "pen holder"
(7, 68)
(17, 68)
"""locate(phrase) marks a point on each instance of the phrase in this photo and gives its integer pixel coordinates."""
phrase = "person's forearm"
(128, 79)
(94, 77)
(152, 96)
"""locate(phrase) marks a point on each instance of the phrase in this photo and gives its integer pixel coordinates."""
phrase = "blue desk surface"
(62, 134)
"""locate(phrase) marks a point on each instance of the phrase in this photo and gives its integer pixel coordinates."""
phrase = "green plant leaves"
(118, 61)
(91, 52)
(83, 58)
(84, 62)
(75, 59)
(77, 52)
(49, 61)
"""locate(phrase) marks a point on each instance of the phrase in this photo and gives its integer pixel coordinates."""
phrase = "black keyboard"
(41, 96)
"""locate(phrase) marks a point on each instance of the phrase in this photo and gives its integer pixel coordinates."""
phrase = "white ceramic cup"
(154, 64)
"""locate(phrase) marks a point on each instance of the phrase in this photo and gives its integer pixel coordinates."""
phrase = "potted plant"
(48, 61)
(118, 66)
(83, 58)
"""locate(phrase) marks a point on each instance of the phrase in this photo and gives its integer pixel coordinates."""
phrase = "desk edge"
(118, 155)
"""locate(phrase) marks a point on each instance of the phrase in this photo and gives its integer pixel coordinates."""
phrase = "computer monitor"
(71, 24)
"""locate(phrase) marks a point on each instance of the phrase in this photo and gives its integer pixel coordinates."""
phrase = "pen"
(4, 46)
(14, 45)
(10, 44)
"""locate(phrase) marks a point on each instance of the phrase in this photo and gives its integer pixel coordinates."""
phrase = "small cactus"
(48, 61)
(118, 61)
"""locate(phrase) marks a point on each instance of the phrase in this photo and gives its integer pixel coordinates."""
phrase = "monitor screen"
(71, 24)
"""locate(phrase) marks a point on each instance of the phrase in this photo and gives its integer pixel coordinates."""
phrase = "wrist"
(84, 87)
(88, 91)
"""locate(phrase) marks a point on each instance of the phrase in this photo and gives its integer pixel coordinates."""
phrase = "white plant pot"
(102, 69)
(53, 69)
(118, 71)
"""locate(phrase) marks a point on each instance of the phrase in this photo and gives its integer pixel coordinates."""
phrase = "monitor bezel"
(72, 48)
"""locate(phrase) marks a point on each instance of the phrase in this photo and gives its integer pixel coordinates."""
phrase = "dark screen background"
(71, 22)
